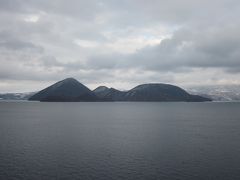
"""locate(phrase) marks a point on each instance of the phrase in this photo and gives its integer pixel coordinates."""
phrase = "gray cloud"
(187, 48)
(119, 43)
(10, 40)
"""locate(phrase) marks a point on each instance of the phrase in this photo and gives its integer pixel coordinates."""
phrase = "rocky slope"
(67, 90)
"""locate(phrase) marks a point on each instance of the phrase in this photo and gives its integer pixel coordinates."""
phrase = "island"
(71, 90)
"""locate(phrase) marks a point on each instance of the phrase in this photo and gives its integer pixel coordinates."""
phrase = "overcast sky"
(118, 43)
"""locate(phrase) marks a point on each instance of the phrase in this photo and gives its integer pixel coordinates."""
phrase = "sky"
(118, 43)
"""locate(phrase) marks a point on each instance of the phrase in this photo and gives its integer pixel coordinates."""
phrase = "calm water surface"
(119, 141)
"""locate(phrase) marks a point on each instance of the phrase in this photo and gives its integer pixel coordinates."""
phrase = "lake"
(121, 140)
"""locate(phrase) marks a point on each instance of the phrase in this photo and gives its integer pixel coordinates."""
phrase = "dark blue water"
(119, 141)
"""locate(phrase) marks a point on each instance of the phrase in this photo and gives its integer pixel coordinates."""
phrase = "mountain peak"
(68, 89)
(101, 89)
(70, 79)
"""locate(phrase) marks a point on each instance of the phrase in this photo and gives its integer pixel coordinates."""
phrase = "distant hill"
(67, 90)
(161, 92)
(70, 90)
(16, 96)
(109, 94)
(217, 92)
(148, 92)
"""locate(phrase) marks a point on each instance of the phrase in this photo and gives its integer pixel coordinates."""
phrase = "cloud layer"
(118, 43)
